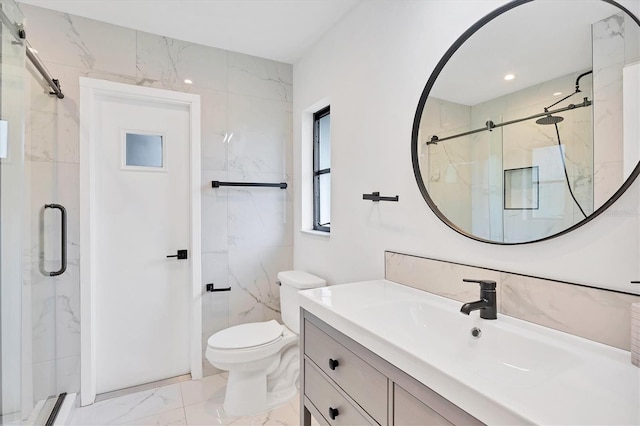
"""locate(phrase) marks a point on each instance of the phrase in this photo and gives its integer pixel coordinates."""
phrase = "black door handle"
(333, 363)
(181, 254)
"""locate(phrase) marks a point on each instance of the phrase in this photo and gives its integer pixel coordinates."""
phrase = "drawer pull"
(333, 413)
(333, 363)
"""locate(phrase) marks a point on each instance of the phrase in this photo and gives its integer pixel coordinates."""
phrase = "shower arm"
(490, 125)
(571, 94)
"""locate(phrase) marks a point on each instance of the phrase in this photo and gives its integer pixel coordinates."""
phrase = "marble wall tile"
(254, 295)
(44, 380)
(68, 374)
(608, 60)
(263, 78)
(68, 311)
(260, 135)
(438, 277)
(42, 140)
(522, 225)
(607, 180)
(214, 129)
(632, 40)
(446, 167)
(84, 43)
(449, 180)
(214, 213)
(260, 217)
(600, 315)
(215, 306)
(55, 341)
(607, 111)
(38, 90)
(171, 61)
(43, 317)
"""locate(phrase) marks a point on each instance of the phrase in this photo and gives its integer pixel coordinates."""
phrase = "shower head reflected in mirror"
(549, 119)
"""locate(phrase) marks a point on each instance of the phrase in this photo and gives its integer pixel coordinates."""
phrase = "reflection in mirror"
(532, 124)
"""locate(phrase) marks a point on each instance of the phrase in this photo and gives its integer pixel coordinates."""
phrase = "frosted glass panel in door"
(144, 150)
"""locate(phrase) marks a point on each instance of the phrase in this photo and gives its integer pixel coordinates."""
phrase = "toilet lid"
(246, 335)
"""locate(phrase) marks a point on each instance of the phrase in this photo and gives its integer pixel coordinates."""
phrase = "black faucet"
(487, 302)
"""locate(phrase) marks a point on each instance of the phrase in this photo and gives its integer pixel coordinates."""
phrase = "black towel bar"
(218, 184)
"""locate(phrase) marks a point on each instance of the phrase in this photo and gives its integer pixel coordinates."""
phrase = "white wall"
(373, 66)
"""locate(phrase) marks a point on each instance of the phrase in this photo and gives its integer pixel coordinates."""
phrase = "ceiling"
(280, 30)
(538, 42)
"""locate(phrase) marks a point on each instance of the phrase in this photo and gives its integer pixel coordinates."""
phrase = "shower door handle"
(63, 238)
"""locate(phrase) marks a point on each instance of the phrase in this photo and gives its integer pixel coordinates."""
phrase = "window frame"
(317, 172)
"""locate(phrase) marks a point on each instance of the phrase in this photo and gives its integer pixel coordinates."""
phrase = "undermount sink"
(513, 372)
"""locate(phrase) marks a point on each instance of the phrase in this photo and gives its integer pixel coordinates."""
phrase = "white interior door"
(141, 215)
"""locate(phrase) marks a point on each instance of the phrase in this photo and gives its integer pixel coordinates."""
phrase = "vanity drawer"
(358, 379)
(410, 411)
(325, 397)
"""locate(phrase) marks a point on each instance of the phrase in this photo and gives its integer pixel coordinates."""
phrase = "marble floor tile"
(211, 387)
(168, 418)
(190, 403)
(127, 408)
(210, 412)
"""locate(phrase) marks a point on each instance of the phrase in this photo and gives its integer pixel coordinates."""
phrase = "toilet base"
(253, 392)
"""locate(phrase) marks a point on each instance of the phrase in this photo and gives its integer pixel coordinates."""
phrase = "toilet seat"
(247, 343)
(246, 336)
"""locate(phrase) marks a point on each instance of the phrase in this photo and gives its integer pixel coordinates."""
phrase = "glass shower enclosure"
(32, 388)
(12, 202)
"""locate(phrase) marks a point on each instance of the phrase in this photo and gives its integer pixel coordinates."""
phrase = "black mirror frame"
(423, 99)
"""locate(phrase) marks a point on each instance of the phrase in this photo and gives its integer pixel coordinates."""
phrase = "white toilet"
(263, 357)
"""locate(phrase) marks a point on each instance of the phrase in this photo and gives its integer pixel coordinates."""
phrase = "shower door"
(12, 57)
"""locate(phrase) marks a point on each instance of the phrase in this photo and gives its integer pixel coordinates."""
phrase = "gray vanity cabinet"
(410, 411)
(343, 383)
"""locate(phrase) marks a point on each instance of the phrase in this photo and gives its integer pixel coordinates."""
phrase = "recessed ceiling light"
(557, 94)
(187, 81)
(509, 77)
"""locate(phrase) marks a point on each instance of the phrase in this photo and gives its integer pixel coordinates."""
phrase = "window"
(322, 170)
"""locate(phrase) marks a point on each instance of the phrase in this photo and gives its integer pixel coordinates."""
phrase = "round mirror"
(530, 124)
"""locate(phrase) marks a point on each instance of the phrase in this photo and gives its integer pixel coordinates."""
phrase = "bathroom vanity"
(346, 384)
(377, 352)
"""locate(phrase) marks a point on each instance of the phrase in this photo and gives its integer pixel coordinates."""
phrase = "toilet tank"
(291, 282)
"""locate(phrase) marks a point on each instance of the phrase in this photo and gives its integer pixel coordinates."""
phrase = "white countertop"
(568, 380)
